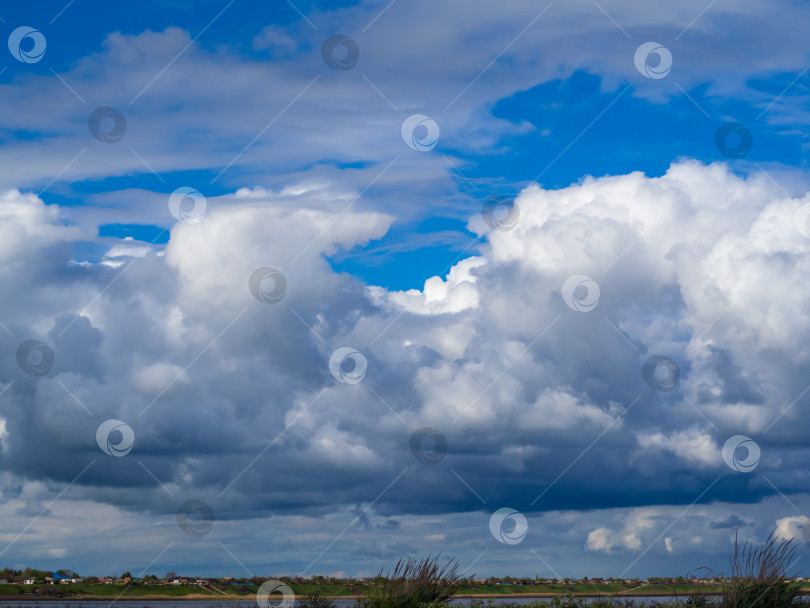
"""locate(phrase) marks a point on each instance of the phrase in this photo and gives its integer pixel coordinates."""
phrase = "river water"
(340, 603)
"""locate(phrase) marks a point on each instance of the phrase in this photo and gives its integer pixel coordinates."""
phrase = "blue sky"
(551, 113)
(482, 331)
(555, 113)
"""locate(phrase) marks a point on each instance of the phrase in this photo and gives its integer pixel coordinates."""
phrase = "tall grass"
(315, 600)
(760, 577)
(415, 583)
(570, 601)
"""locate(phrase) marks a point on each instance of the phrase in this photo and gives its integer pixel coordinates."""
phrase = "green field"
(607, 589)
(247, 591)
(138, 590)
(112, 590)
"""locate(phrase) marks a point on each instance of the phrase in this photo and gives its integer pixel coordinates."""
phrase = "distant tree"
(35, 574)
(170, 575)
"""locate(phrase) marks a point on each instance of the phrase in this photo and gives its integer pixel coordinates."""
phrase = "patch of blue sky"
(634, 134)
(409, 253)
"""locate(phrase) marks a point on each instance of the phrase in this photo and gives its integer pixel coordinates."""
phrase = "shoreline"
(195, 597)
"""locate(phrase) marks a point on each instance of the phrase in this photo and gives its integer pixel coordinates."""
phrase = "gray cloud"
(544, 408)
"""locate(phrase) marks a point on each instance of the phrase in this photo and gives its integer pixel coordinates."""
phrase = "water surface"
(340, 603)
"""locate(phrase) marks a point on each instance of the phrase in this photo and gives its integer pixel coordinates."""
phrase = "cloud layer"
(544, 407)
(621, 360)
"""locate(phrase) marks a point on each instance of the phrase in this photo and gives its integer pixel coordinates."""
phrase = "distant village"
(62, 577)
